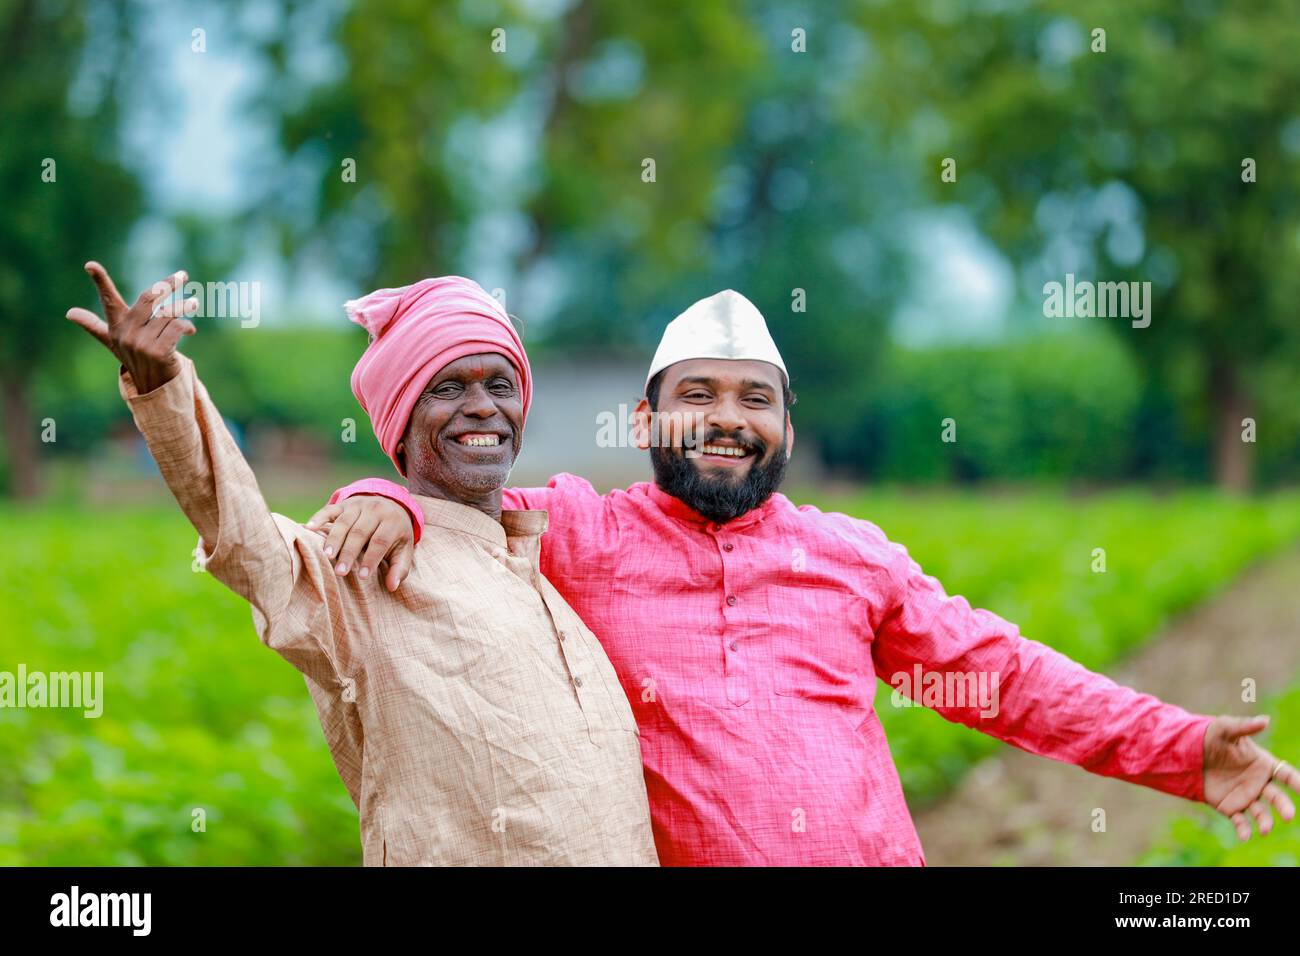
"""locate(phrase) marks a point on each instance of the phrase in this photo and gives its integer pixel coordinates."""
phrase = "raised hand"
(1240, 775)
(143, 340)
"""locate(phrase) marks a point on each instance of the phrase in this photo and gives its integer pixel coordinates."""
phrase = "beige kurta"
(472, 715)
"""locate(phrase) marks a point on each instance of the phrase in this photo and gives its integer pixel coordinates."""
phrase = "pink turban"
(416, 331)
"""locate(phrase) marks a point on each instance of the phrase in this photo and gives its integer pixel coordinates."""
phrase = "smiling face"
(734, 420)
(739, 407)
(465, 432)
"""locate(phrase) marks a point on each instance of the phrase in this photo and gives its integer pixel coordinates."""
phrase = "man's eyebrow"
(749, 384)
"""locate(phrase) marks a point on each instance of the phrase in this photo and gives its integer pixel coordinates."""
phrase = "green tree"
(67, 197)
(1057, 127)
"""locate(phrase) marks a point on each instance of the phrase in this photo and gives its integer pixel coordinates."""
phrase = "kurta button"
(733, 645)
(731, 600)
(577, 682)
(563, 635)
(727, 547)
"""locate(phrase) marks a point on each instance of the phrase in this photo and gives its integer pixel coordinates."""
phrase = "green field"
(200, 716)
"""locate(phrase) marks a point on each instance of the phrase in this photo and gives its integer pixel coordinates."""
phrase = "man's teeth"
(479, 440)
(729, 450)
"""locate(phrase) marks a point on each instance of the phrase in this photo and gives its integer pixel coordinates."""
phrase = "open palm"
(1240, 778)
(144, 340)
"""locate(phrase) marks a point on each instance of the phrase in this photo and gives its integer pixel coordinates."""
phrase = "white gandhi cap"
(723, 326)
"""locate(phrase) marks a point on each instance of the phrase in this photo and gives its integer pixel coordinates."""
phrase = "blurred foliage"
(1071, 407)
(246, 373)
(1124, 162)
(197, 713)
(1062, 408)
(67, 197)
(797, 178)
(1028, 558)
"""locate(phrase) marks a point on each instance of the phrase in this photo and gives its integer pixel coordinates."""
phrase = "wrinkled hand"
(374, 523)
(1239, 775)
(143, 340)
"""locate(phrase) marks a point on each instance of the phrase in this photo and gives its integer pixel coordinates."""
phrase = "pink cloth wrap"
(416, 331)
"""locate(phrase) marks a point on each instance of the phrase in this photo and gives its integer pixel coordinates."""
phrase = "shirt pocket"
(826, 661)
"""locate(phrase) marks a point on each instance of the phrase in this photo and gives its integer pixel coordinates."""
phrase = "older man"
(473, 717)
(749, 633)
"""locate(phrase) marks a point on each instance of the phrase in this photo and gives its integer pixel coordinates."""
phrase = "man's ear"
(642, 422)
(400, 454)
(789, 436)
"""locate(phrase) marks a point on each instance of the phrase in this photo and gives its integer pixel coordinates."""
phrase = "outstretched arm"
(1050, 705)
(265, 558)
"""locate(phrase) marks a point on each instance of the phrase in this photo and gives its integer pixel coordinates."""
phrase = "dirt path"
(1023, 810)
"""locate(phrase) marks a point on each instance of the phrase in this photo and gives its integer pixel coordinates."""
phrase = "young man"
(748, 634)
(473, 717)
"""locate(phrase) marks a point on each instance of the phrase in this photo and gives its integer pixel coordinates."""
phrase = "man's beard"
(717, 497)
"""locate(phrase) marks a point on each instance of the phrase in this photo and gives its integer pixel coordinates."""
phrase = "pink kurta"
(750, 651)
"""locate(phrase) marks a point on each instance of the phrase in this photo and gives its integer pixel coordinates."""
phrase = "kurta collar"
(458, 517)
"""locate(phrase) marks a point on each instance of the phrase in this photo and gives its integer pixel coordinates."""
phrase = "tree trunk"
(1234, 458)
(20, 436)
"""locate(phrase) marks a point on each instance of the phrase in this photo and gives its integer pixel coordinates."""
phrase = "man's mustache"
(754, 445)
